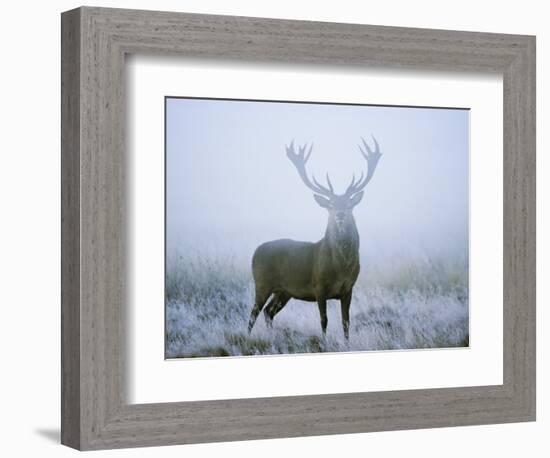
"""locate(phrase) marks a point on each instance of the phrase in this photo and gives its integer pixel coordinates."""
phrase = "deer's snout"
(340, 217)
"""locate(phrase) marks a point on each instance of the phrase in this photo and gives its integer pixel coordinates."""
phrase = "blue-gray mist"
(230, 187)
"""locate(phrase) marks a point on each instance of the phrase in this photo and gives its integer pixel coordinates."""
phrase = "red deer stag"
(314, 272)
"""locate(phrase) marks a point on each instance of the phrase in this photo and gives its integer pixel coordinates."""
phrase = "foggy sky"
(230, 186)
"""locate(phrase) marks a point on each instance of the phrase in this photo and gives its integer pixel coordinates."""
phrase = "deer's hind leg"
(276, 304)
(322, 303)
(262, 295)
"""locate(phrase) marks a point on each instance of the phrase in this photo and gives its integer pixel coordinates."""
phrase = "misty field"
(404, 304)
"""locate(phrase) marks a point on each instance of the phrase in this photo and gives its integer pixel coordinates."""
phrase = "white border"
(152, 379)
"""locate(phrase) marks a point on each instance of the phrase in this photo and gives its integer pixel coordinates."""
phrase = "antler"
(372, 158)
(299, 160)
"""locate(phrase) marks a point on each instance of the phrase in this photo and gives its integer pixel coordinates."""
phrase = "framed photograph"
(403, 262)
(277, 228)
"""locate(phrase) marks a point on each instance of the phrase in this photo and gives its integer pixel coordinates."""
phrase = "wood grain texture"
(95, 410)
(70, 229)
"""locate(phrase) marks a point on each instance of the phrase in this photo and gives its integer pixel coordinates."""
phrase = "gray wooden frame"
(95, 413)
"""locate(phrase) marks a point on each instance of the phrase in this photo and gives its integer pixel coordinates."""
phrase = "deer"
(287, 269)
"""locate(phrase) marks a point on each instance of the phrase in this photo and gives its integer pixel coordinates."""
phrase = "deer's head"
(340, 207)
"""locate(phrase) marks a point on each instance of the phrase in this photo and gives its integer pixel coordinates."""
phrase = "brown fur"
(308, 271)
(316, 272)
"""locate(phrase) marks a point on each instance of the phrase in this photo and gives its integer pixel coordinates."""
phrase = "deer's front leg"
(322, 303)
(345, 303)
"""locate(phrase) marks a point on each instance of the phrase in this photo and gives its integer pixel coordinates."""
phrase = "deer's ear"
(356, 198)
(325, 203)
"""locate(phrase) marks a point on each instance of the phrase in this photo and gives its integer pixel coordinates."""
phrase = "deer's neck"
(342, 242)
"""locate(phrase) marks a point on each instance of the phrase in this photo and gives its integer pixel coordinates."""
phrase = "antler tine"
(308, 153)
(299, 160)
(377, 150)
(330, 188)
(329, 184)
(316, 182)
(372, 158)
(367, 150)
(353, 184)
(363, 153)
